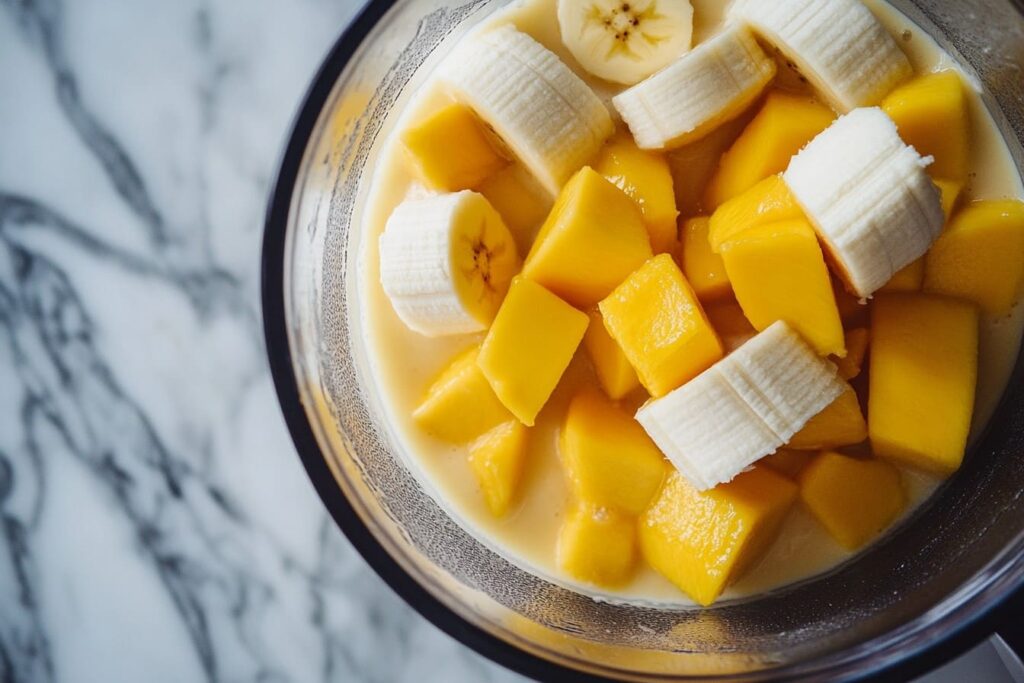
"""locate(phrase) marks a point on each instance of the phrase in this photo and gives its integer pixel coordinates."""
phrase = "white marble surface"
(155, 524)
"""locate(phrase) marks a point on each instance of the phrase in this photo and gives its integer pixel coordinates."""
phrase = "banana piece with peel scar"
(838, 45)
(446, 262)
(742, 408)
(868, 195)
(546, 115)
(706, 87)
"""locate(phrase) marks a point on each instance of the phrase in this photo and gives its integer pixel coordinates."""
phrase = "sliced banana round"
(625, 41)
(446, 263)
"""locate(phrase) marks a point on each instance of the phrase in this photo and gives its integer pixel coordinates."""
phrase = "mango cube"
(787, 462)
(911, 277)
(597, 545)
(460, 404)
(616, 376)
(655, 317)
(703, 541)
(704, 269)
(854, 499)
(980, 256)
(949, 195)
(730, 324)
(645, 176)
(520, 201)
(593, 238)
(529, 346)
(770, 201)
(784, 124)
(923, 370)
(856, 348)
(778, 272)
(452, 150)
(840, 424)
(608, 457)
(931, 115)
(496, 459)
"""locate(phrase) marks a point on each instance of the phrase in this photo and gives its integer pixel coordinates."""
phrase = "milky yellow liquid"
(403, 363)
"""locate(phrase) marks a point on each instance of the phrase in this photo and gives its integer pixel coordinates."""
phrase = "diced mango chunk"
(769, 201)
(520, 201)
(923, 370)
(854, 499)
(980, 256)
(645, 176)
(787, 462)
(911, 277)
(841, 424)
(609, 459)
(931, 115)
(784, 124)
(949, 195)
(703, 541)
(597, 545)
(616, 376)
(496, 459)
(730, 324)
(451, 149)
(460, 404)
(655, 317)
(778, 273)
(856, 348)
(593, 238)
(529, 346)
(704, 269)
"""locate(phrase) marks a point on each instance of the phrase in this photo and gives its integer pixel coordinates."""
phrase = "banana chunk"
(547, 116)
(698, 92)
(742, 408)
(869, 197)
(838, 45)
(446, 262)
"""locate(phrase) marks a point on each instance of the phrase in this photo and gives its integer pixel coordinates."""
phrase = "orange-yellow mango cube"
(931, 115)
(980, 256)
(597, 545)
(784, 124)
(520, 201)
(778, 272)
(911, 277)
(460, 404)
(787, 462)
(592, 240)
(856, 348)
(529, 346)
(704, 541)
(451, 149)
(855, 500)
(770, 201)
(840, 424)
(645, 176)
(616, 376)
(923, 370)
(496, 459)
(704, 269)
(659, 324)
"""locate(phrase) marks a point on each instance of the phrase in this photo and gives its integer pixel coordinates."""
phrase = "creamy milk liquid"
(403, 363)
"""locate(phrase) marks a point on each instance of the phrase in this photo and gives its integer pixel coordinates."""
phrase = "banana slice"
(625, 41)
(543, 112)
(869, 197)
(701, 90)
(742, 408)
(446, 263)
(838, 45)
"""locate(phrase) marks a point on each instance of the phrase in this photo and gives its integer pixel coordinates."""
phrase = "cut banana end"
(701, 90)
(838, 45)
(869, 197)
(543, 112)
(446, 263)
(625, 41)
(742, 408)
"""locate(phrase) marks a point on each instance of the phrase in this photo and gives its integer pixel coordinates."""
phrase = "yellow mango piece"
(451, 149)
(931, 115)
(856, 348)
(597, 545)
(770, 201)
(786, 462)
(778, 273)
(949, 195)
(496, 459)
(645, 176)
(609, 460)
(730, 324)
(520, 201)
(783, 125)
(704, 269)
(460, 404)
(593, 238)
(855, 500)
(911, 277)
(529, 346)
(840, 424)
(980, 256)
(616, 376)
(659, 324)
(923, 370)
(704, 541)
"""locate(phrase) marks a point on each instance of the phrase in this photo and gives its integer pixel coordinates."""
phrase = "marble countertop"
(155, 523)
